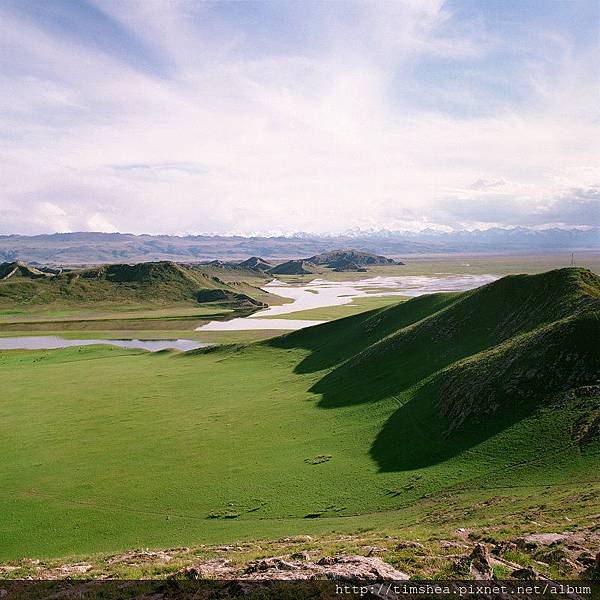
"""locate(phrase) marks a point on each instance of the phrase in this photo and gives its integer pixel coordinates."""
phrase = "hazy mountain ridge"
(93, 247)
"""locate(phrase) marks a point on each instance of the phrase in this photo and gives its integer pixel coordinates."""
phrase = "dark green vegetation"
(480, 361)
(257, 263)
(146, 301)
(350, 260)
(388, 417)
(295, 267)
(336, 260)
(145, 283)
(230, 271)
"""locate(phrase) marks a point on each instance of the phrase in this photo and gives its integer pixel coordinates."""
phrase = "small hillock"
(337, 258)
(227, 297)
(257, 263)
(295, 267)
(344, 265)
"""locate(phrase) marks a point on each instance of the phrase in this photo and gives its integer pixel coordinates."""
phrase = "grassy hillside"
(295, 267)
(484, 360)
(340, 257)
(148, 283)
(489, 395)
(256, 263)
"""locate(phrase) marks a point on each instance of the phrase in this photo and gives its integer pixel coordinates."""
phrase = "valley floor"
(336, 432)
(151, 450)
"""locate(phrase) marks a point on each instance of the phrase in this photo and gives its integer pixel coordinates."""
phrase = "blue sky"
(276, 117)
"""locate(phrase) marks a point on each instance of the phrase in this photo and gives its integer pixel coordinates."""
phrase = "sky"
(187, 117)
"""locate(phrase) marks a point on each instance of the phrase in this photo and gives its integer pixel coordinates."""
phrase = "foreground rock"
(344, 568)
(214, 568)
(470, 554)
(477, 564)
(369, 568)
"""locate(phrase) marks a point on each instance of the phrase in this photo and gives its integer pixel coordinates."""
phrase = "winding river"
(321, 293)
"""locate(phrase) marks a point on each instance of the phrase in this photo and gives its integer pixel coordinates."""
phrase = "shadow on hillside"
(481, 397)
(393, 366)
(329, 346)
(402, 352)
(414, 436)
(333, 343)
(409, 367)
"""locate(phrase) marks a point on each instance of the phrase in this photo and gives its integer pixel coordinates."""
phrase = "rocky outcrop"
(368, 568)
(572, 554)
(216, 567)
(296, 567)
(524, 573)
(593, 572)
(477, 564)
(19, 268)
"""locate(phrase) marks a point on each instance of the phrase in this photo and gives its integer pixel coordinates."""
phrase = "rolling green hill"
(464, 365)
(147, 283)
(341, 257)
(484, 396)
(256, 263)
(466, 324)
(294, 267)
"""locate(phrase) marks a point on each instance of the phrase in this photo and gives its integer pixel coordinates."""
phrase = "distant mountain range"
(91, 247)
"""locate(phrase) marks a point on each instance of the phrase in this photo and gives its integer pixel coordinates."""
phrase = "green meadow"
(349, 425)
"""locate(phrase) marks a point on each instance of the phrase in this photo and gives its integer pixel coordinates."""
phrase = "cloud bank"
(264, 118)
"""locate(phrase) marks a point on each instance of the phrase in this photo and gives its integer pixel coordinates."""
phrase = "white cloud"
(50, 216)
(98, 222)
(321, 139)
(486, 184)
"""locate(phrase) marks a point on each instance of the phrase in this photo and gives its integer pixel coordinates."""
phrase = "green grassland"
(143, 323)
(423, 539)
(208, 337)
(42, 313)
(362, 422)
(159, 319)
(149, 323)
(160, 322)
